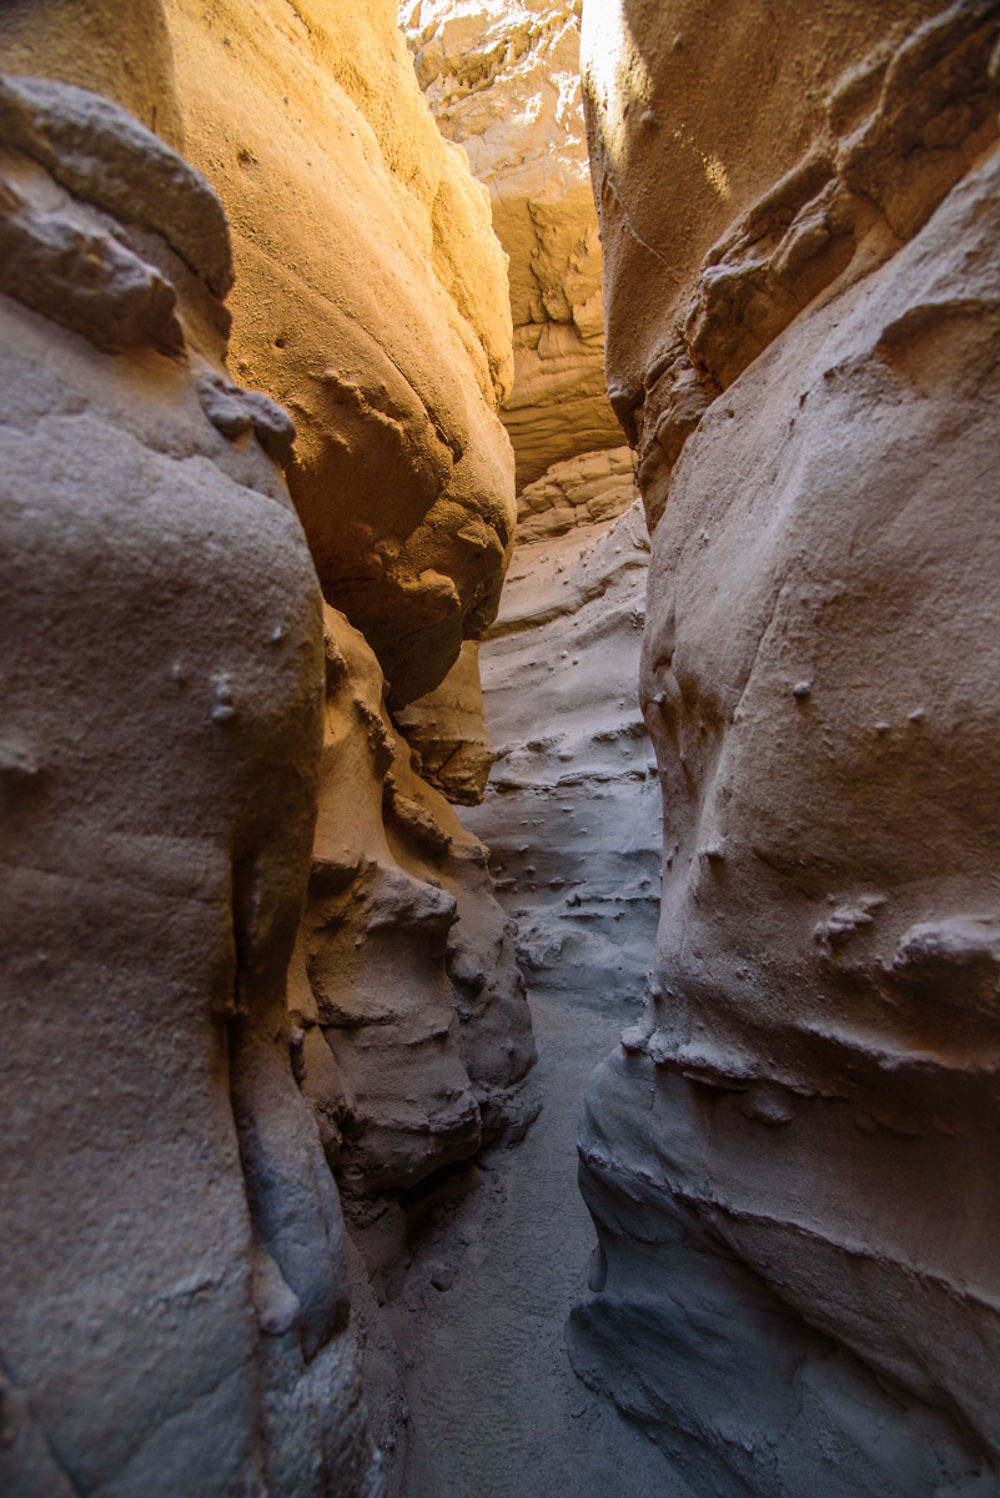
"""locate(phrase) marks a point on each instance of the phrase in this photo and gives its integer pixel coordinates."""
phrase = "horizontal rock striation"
(572, 813)
(502, 79)
(790, 1158)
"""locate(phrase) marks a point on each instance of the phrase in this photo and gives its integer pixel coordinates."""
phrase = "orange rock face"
(175, 1300)
(503, 82)
(371, 300)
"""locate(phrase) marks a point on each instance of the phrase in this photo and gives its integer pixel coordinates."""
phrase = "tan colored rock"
(502, 79)
(791, 1159)
(371, 298)
(447, 732)
(785, 190)
(413, 1023)
(121, 51)
(371, 301)
(581, 491)
(173, 1287)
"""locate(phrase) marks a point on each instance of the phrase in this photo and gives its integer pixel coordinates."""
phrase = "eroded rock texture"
(371, 301)
(203, 1345)
(413, 1022)
(791, 1159)
(572, 813)
(502, 79)
(173, 1291)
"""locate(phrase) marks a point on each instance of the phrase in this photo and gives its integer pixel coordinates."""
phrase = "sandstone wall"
(502, 79)
(412, 1023)
(790, 1160)
(572, 812)
(561, 663)
(371, 301)
(173, 1290)
(370, 298)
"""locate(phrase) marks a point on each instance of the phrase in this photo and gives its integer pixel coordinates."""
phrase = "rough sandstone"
(371, 302)
(791, 1158)
(447, 734)
(412, 1026)
(370, 298)
(560, 664)
(173, 1290)
(502, 79)
(572, 812)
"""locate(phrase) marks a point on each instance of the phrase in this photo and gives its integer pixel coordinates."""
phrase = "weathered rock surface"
(583, 490)
(122, 52)
(413, 1028)
(572, 812)
(502, 79)
(371, 301)
(447, 732)
(791, 1159)
(173, 1290)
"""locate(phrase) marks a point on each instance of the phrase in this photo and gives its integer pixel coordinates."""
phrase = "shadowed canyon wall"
(791, 1158)
(174, 1294)
(177, 1297)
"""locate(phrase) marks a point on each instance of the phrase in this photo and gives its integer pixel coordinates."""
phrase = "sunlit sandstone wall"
(502, 78)
(792, 1159)
(371, 299)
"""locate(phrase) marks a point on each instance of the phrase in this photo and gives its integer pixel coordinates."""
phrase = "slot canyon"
(500, 747)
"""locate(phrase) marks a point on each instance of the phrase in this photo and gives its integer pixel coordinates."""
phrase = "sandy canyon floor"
(496, 1410)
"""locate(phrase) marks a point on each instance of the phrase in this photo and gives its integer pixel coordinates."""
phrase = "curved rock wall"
(560, 665)
(173, 1290)
(371, 299)
(790, 1160)
(406, 965)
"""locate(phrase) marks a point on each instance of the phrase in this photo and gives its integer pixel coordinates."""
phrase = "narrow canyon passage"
(572, 816)
(499, 500)
(496, 1411)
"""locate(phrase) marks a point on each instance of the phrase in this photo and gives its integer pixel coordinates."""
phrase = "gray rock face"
(791, 1158)
(173, 1290)
(572, 812)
